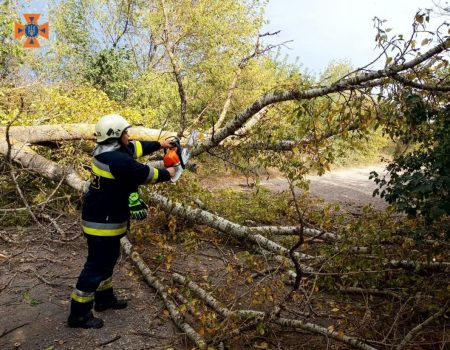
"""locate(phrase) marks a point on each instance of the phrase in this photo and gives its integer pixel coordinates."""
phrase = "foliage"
(109, 70)
(11, 52)
(359, 149)
(258, 205)
(63, 104)
(418, 182)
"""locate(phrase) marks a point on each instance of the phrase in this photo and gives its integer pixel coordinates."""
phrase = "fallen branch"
(42, 279)
(291, 231)
(408, 264)
(251, 314)
(52, 221)
(8, 283)
(412, 333)
(5, 332)
(30, 160)
(154, 282)
(286, 262)
(115, 338)
(39, 205)
(348, 84)
(9, 160)
(224, 226)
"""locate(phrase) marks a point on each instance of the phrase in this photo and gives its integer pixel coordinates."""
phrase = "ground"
(37, 277)
(37, 274)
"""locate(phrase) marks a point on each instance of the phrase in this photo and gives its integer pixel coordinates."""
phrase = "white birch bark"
(72, 132)
(293, 230)
(209, 300)
(286, 261)
(155, 283)
(408, 264)
(350, 83)
(29, 159)
(224, 226)
(413, 332)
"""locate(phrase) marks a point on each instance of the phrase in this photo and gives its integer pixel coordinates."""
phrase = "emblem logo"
(31, 30)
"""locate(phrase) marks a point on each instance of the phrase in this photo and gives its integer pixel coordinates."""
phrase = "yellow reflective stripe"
(103, 173)
(81, 299)
(104, 232)
(138, 149)
(155, 175)
(104, 285)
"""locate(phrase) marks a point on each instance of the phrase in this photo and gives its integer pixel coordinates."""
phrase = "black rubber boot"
(81, 316)
(86, 321)
(106, 299)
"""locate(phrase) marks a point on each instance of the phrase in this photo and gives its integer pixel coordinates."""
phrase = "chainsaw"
(178, 156)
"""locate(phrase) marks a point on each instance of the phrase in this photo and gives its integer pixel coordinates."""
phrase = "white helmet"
(110, 126)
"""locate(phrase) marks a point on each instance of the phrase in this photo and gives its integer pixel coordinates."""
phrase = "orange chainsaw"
(177, 156)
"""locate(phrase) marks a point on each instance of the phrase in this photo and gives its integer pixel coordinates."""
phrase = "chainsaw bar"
(186, 154)
(186, 151)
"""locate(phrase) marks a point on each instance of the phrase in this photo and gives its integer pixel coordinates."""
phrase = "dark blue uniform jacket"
(116, 174)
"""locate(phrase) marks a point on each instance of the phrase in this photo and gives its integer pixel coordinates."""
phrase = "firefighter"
(108, 205)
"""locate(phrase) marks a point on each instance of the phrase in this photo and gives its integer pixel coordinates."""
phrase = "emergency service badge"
(31, 30)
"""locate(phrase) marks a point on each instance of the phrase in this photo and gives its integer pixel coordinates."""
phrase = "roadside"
(349, 187)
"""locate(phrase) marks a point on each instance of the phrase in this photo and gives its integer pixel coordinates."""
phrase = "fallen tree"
(359, 87)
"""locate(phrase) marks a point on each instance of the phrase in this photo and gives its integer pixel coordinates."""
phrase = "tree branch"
(350, 83)
(155, 283)
(421, 86)
(251, 314)
(127, 21)
(242, 64)
(176, 70)
(413, 332)
(224, 226)
(289, 145)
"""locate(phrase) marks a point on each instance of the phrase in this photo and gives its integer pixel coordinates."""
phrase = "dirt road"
(350, 187)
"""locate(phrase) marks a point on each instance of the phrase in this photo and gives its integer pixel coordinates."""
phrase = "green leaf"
(424, 42)
(388, 60)
(436, 213)
(260, 328)
(182, 308)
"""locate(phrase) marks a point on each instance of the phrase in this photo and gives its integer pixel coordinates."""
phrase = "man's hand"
(171, 171)
(138, 209)
(165, 144)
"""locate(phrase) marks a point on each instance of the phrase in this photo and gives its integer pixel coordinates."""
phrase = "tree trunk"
(73, 132)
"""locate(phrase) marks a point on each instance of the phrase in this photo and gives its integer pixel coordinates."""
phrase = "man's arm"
(143, 148)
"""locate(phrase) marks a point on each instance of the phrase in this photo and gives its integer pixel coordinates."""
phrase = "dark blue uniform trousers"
(103, 253)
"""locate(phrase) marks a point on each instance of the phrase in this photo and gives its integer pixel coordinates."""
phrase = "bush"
(418, 183)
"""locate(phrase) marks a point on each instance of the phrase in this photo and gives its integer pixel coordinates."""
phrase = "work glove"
(178, 171)
(138, 209)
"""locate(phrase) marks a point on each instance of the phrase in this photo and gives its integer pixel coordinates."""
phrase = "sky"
(326, 30)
